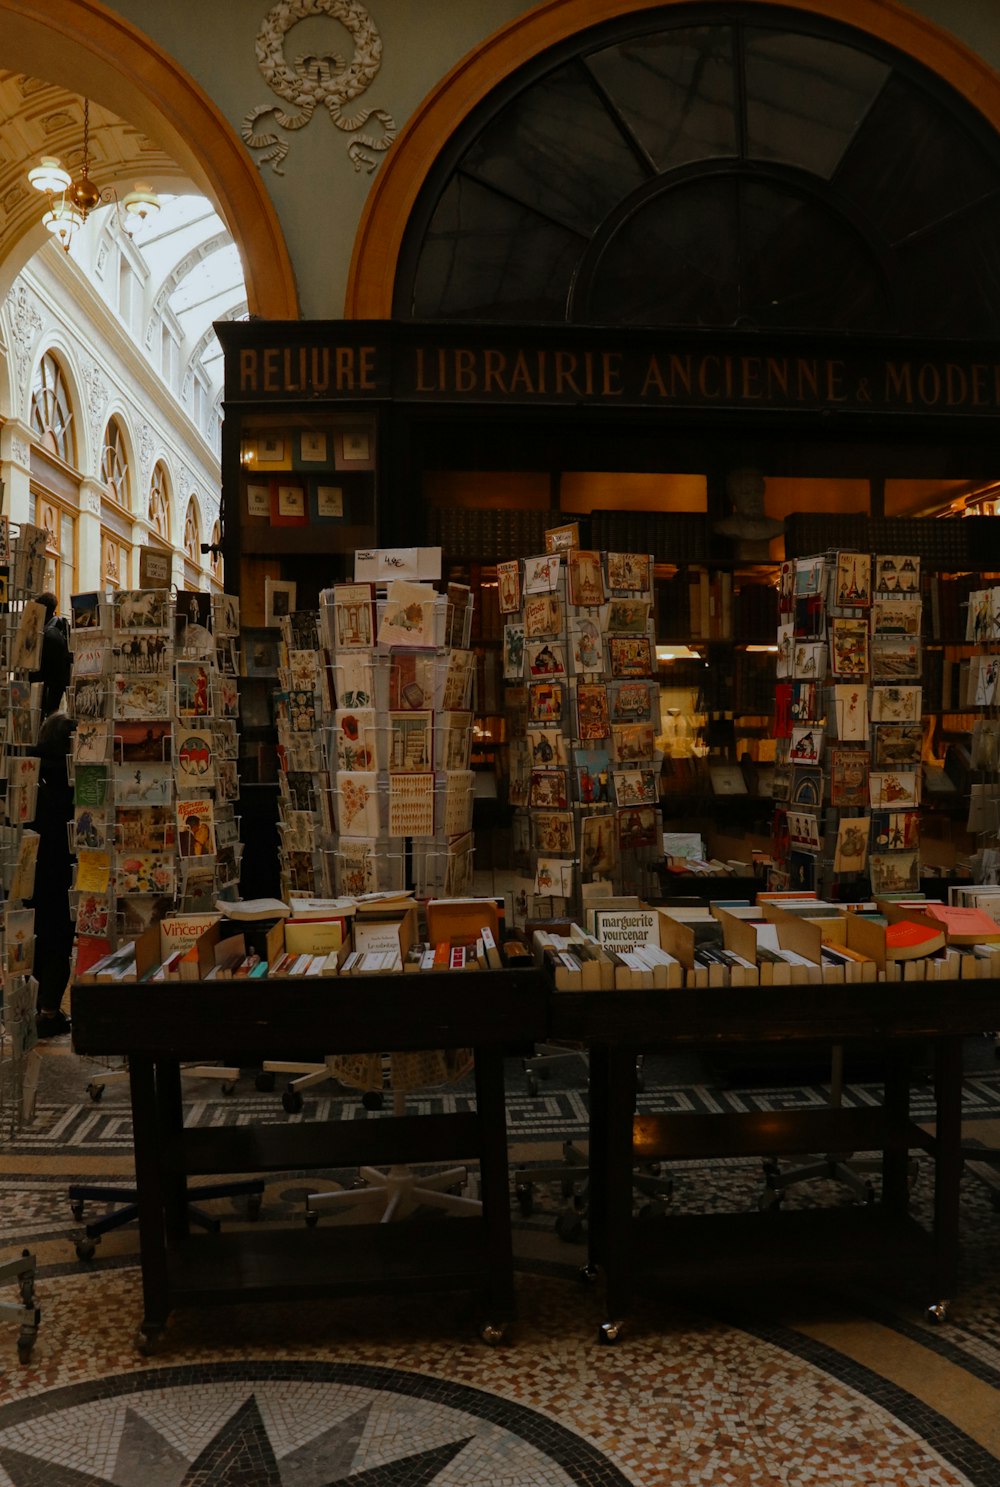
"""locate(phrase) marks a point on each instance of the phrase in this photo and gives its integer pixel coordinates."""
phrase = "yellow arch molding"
(87, 48)
(387, 211)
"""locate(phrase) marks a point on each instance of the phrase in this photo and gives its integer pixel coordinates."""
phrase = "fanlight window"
(192, 532)
(114, 464)
(216, 555)
(51, 415)
(159, 508)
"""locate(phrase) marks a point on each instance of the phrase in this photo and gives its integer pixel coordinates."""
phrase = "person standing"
(53, 875)
(56, 663)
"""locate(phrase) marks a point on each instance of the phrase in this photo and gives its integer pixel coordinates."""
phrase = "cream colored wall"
(320, 196)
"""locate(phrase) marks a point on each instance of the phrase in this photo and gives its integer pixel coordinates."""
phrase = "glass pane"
(676, 91)
(951, 277)
(805, 268)
(912, 164)
(558, 147)
(806, 97)
(675, 262)
(484, 256)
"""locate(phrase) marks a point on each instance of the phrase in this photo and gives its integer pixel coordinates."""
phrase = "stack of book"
(582, 717)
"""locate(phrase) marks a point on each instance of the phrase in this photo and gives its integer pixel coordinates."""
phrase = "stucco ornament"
(312, 81)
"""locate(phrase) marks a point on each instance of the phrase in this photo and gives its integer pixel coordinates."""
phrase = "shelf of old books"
(153, 764)
(582, 713)
(848, 720)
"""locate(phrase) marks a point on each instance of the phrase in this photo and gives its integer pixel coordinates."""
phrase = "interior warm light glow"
(678, 653)
(50, 175)
(62, 222)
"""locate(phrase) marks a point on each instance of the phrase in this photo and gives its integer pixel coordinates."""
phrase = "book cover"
(964, 925)
(906, 940)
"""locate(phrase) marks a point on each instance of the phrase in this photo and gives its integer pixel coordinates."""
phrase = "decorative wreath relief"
(311, 81)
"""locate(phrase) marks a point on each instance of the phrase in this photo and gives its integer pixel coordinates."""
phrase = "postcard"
(896, 704)
(585, 577)
(987, 670)
(144, 872)
(91, 829)
(353, 680)
(194, 690)
(411, 740)
(638, 826)
(407, 615)
(456, 691)
(806, 746)
(541, 574)
(808, 658)
(92, 742)
(633, 702)
(850, 710)
(455, 734)
(897, 575)
(195, 827)
(357, 804)
(894, 872)
(634, 786)
(895, 831)
(141, 609)
(542, 615)
(554, 877)
(355, 738)
(896, 616)
(553, 832)
(549, 789)
(354, 867)
(93, 914)
(852, 582)
(353, 607)
(19, 935)
(626, 616)
(85, 611)
(592, 776)
(848, 647)
(896, 659)
(630, 655)
(632, 742)
(545, 702)
(593, 717)
(509, 586)
(897, 744)
(849, 777)
(193, 760)
(459, 785)
(806, 788)
(90, 784)
(560, 539)
(411, 681)
(411, 804)
(26, 653)
(896, 788)
(141, 742)
(143, 784)
(803, 830)
(545, 658)
(226, 614)
(586, 645)
(144, 828)
(851, 852)
(809, 576)
(598, 845)
(629, 572)
(547, 746)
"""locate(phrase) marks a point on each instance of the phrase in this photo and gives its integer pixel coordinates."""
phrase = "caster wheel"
(85, 1249)
(587, 1275)
(76, 1209)
(531, 1079)
(608, 1333)
(291, 1101)
(525, 1198)
(311, 1217)
(264, 1081)
(228, 1087)
(937, 1313)
(493, 1334)
(95, 1091)
(569, 1227)
(253, 1206)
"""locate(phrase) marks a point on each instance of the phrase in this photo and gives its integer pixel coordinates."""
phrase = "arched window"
(159, 502)
(192, 532)
(737, 166)
(216, 556)
(114, 464)
(51, 414)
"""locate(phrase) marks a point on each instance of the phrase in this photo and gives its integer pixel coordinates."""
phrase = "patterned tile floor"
(798, 1388)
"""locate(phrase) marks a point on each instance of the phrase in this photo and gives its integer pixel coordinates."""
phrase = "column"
(15, 469)
(89, 557)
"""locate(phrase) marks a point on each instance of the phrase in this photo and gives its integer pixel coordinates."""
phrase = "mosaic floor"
(788, 1388)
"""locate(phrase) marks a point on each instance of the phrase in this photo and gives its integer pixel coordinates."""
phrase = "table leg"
(170, 1127)
(151, 1195)
(491, 1111)
(612, 1106)
(895, 1160)
(947, 1164)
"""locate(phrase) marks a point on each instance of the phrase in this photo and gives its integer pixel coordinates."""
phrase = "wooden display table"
(156, 1026)
(878, 1240)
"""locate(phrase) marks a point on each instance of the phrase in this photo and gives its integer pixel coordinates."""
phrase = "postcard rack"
(393, 739)
(153, 766)
(848, 723)
(583, 714)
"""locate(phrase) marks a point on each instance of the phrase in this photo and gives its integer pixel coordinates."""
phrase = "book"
(907, 940)
(964, 925)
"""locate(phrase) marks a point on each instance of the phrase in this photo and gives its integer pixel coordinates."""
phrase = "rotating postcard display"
(582, 712)
(22, 575)
(396, 737)
(979, 694)
(848, 705)
(153, 764)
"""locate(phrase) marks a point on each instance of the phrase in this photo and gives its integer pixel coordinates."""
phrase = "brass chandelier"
(72, 199)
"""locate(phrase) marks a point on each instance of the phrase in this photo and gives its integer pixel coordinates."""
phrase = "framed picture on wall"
(279, 600)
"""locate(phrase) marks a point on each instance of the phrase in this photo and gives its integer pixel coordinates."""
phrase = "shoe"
(51, 1024)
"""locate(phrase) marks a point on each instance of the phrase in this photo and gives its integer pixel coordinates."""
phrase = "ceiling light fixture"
(72, 200)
